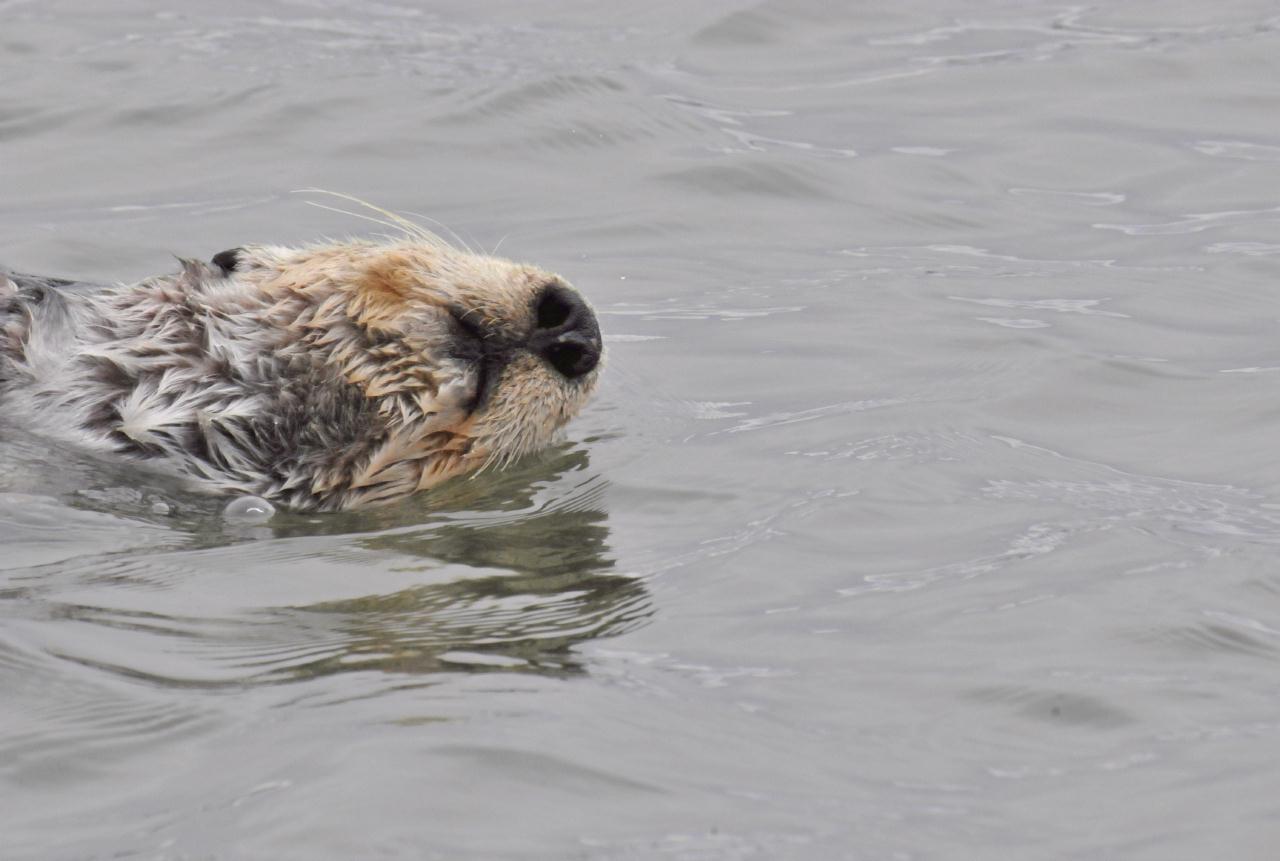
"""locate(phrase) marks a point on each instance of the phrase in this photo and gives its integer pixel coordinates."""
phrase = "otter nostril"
(572, 359)
(555, 307)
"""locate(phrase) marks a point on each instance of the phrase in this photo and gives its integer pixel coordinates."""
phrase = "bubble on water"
(249, 509)
(161, 508)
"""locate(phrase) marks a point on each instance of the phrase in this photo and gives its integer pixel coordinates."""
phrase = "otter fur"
(324, 377)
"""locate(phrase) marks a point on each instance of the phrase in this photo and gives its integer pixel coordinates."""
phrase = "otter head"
(466, 360)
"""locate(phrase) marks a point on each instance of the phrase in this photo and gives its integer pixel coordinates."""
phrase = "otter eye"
(471, 327)
(554, 307)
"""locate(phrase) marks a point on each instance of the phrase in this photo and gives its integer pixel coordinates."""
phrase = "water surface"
(928, 510)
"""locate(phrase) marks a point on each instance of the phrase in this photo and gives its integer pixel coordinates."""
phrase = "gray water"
(928, 510)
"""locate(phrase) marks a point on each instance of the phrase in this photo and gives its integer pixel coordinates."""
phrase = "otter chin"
(326, 377)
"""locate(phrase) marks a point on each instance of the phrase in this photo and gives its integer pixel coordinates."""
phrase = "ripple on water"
(65, 722)
(535, 97)
(1219, 633)
(1192, 519)
(37, 531)
(750, 178)
(512, 582)
(564, 112)
(33, 121)
(1243, 150)
(1197, 222)
(1063, 708)
(524, 623)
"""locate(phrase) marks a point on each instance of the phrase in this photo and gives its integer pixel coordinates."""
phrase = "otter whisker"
(494, 252)
(361, 216)
(465, 245)
(405, 224)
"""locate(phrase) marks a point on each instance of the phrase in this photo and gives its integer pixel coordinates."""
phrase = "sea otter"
(323, 377)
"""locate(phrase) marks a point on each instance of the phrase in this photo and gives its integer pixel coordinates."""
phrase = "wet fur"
(324, 377)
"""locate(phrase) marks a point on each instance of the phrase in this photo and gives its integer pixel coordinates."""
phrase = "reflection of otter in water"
(547, 585)
(510, 570)
(325, 377)
(557, 593)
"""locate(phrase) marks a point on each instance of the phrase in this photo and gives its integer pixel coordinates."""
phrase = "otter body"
(323, 378)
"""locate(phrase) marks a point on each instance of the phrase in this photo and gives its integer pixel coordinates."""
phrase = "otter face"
(466, 360)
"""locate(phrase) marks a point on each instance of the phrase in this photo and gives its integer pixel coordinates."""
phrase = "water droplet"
(249, 509)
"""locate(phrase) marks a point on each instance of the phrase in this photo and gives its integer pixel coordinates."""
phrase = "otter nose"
(565, 333)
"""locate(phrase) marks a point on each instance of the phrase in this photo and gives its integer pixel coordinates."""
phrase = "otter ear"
(227, 260)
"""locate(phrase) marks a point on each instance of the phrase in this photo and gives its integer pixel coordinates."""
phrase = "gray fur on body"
(168, 373)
